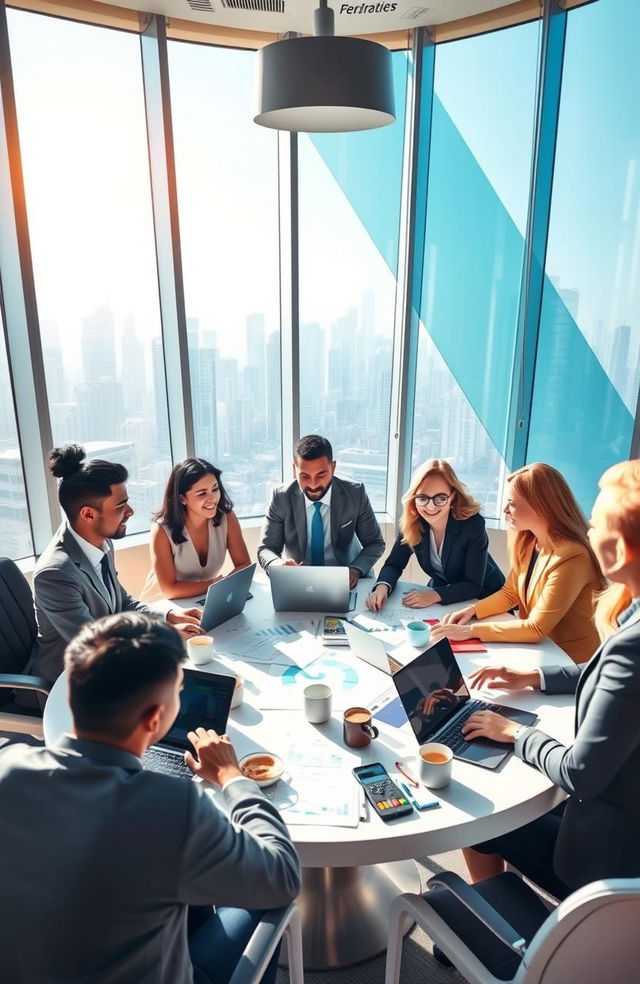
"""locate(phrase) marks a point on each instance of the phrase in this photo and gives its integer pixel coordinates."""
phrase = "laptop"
(437, 702)
(366, 647)
(205, 701)
(310, 589)
(226, 598)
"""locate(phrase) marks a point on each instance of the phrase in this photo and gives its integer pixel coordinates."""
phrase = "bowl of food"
(263, 767)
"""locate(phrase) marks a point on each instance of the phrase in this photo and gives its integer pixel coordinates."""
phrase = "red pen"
(407, 776)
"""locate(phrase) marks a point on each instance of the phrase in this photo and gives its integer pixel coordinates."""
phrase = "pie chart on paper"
(327, 670)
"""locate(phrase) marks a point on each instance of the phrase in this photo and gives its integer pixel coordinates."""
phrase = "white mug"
(437, 774)
(317, 703)
(200, 649)
(238, 693)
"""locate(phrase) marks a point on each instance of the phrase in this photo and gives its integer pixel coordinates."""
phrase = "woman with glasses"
(554, 572)
(441, 524)
(193, 531)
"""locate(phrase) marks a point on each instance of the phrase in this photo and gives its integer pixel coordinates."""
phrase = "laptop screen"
(205, 701)
(431, 688)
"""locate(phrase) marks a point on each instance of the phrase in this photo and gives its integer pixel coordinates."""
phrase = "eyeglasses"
(438, 500)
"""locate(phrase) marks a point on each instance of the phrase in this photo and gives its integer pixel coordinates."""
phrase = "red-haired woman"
(554, 572)
(441, 524)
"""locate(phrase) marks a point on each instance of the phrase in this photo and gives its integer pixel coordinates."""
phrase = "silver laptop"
(366, 647)
(310, 589)
(437, 702)
(205, 700)
(226, 598)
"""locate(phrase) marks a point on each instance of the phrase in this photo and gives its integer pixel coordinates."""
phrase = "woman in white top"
(441, 525)
(193, 531)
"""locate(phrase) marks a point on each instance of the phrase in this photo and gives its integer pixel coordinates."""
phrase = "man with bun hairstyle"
(75, 579)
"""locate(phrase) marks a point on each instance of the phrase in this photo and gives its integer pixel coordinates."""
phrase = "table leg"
(345, 911)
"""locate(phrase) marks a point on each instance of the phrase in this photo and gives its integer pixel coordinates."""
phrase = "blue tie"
(317, 537)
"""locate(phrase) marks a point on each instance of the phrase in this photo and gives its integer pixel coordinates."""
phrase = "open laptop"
(365, 646)
(204, 703)
(310, 589)
(226, 598)
(437, 702)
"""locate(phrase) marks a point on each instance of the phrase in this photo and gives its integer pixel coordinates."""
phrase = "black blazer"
(469, 570)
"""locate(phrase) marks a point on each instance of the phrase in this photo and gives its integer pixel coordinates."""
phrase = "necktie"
(106, 576)
(317, 537)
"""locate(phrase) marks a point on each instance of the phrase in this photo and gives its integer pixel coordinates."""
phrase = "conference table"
(353, 873)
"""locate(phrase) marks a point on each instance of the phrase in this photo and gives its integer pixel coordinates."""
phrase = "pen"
(407, 775)
(364, 807)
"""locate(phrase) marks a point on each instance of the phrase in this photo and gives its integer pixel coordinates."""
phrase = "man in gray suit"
(319, 519)
(101, 859)
(75, 579)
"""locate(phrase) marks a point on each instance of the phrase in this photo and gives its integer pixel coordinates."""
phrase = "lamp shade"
(324, 84)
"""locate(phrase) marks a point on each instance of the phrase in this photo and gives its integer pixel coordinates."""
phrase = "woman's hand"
(461, 617)
(488, 724)
(377, 598)
(455, 632)
(420, 599)
(504, 678)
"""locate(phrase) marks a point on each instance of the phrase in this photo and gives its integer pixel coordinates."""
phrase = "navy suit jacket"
(469, 570)
(598, 835)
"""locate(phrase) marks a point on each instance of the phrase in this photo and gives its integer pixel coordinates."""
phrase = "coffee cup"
(435, 764)
(200, 649)
(238, 693)
(357, 728)
(418, 633)
(317, 703)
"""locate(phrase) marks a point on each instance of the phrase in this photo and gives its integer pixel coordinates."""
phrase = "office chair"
(17, 641)
(260, 948)
(499, 930)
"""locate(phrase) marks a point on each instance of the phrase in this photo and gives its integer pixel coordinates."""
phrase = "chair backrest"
(18, 630)
(592, 937)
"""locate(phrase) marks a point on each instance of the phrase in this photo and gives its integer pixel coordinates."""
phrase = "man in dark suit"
(75, 579)
(319, 519)
(101, 858)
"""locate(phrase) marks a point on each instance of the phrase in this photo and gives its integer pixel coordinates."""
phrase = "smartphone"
(387, 799)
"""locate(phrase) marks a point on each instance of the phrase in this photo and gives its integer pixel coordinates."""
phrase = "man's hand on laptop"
(504, 678)
(216, 760)
(488, 724)
(354, 577)
(284, 562)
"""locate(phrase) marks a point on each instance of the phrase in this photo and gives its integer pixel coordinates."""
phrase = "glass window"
(588, 370)
(81, 116)
(227, 172)
(350, 187)
(15, 530)
(478, 192)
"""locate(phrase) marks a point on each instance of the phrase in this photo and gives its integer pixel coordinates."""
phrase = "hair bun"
(66, 460)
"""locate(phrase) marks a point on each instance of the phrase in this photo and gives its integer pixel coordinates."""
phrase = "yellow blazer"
(558, 603)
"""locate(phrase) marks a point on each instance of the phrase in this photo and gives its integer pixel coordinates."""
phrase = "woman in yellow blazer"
(554, 572)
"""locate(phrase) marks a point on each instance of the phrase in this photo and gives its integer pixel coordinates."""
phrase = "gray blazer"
(599, 832)
(352, 518)
(68, 593)
(100, 860)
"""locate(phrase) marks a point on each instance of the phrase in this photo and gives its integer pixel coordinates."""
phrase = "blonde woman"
(441, 524)
(554, 572)
(595, 833)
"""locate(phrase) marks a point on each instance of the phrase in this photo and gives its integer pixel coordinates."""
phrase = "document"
(318, 786)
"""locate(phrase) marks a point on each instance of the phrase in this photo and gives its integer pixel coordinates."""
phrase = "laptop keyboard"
(452, 735)
(170, 764)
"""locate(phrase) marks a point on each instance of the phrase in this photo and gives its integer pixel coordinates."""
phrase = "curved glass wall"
(587, 368)
(80, 107)
(479, 170)
(15, 532)
(350, 189)
(227, 174)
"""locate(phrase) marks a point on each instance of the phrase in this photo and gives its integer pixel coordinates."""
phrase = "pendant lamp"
(324, 83)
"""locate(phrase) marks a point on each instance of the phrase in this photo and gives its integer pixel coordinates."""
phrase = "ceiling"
(280, 16)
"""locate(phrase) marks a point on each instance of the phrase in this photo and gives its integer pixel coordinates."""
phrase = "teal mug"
(418, 634)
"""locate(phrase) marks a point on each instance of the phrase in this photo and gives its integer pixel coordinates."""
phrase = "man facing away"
(75, 579)
(100, 859)
(319, 519)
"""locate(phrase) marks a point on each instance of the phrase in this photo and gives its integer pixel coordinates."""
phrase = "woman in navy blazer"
(441, 524)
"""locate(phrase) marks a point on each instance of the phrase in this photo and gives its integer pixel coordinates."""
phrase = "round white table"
(351, 875)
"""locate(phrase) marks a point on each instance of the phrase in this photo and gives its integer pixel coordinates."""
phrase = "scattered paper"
(318, 787)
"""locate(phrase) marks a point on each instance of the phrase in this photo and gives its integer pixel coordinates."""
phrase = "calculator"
(385, 797)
